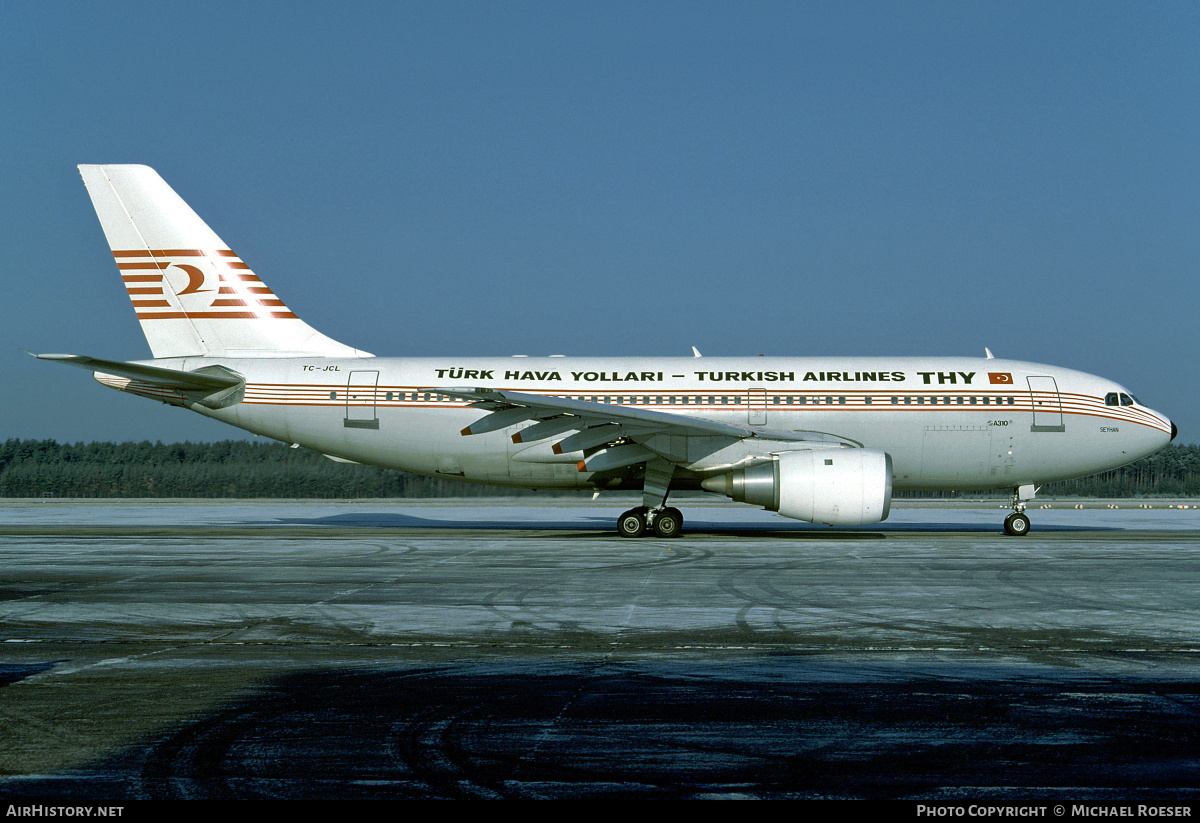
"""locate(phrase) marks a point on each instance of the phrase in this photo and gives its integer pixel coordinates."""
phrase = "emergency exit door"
(756, 401)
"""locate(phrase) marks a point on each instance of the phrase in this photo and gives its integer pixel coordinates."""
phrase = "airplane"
(819, 439)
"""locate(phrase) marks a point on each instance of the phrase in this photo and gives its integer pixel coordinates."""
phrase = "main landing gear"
(642, 521)
(1017, 523)
(654, 515)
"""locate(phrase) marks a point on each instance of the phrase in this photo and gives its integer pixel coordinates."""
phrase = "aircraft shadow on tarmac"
(698, 527)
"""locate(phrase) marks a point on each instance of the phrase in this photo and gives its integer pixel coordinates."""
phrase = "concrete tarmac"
(226, 649)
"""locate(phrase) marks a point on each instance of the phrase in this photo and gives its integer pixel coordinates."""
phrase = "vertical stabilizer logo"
(170, 284)
(195, 279)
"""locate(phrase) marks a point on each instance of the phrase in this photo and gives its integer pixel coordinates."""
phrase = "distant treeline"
(1172, 472)
(236, 468)
(228, 468)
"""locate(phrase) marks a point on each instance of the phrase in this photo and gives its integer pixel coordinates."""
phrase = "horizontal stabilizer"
(212, 386)
(186, 380)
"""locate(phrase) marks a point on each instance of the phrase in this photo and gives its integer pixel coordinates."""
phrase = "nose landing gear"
(1017, 523)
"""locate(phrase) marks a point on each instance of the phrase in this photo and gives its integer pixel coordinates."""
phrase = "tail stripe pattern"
(236, 286)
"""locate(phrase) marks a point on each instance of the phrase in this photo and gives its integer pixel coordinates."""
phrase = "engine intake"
(842, 487)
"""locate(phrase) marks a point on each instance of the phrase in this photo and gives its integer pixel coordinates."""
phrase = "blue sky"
(619, 178)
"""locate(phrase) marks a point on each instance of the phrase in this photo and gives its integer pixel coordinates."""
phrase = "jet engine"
(842, 487)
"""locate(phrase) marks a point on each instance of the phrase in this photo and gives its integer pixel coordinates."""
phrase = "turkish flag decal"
(1000, 377)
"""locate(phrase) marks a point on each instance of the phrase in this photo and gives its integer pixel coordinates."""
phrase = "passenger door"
(1047, 405)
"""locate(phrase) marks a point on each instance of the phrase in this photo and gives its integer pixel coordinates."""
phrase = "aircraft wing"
(628, 434)
(592, 414)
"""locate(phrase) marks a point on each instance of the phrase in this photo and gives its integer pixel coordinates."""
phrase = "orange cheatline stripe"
(151, 303)
(144, 290)
(151, 265)
(142, 278)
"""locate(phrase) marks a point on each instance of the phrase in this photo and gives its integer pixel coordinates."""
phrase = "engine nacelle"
(842, 487)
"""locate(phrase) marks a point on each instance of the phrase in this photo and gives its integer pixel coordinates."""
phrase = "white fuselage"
(948, 423)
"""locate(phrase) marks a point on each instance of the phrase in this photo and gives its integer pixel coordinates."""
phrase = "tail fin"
(193, 296)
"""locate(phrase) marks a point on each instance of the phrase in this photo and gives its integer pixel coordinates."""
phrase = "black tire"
(1016, 524)
(669, 523)
(632, 523)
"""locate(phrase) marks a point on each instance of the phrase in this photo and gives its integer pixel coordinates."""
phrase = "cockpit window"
(1126, 400)
(1110, 399)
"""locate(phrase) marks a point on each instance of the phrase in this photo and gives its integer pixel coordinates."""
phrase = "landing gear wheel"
(632, 523)
(1016, 524)
(668, 523)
